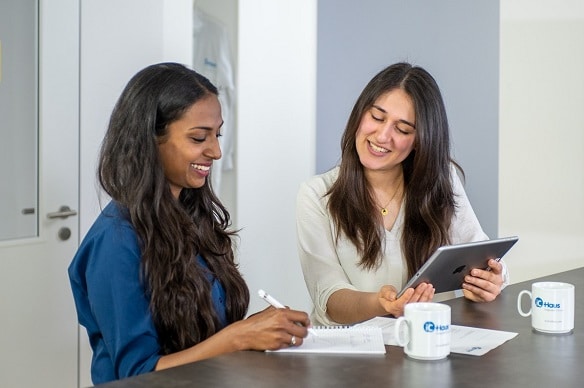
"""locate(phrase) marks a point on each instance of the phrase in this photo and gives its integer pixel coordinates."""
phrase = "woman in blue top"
(154, 280)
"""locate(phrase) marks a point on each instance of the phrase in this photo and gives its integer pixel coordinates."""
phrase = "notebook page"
(341, 339)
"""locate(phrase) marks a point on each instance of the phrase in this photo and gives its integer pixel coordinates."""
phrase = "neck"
(385, 186)
(385, 181)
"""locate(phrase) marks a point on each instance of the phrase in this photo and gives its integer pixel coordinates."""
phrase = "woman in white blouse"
(370, 223)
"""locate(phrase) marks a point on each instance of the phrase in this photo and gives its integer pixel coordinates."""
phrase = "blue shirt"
(112, 302)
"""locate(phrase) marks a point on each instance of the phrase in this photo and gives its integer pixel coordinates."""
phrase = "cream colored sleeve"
(465, 224)
(322, 270)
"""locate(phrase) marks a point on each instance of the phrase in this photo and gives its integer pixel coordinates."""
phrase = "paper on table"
(464, 340)
(341, 339)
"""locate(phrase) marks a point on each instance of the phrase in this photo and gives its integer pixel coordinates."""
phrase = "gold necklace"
(384, 210)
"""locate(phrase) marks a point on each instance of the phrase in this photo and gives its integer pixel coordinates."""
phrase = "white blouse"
(329, 266)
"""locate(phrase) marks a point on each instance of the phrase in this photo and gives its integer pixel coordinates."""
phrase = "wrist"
(383, 306)
(236, 337)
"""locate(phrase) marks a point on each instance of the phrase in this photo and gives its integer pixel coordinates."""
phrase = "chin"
(196, 185)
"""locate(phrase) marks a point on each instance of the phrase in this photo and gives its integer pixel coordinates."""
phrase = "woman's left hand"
(484, 285)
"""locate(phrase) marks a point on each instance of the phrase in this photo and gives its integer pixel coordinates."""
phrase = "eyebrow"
(205, 128)
(399, 120)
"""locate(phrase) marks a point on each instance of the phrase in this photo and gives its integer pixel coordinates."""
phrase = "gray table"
(529, 360)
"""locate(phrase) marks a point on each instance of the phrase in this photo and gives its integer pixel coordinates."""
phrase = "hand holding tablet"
(448, 266)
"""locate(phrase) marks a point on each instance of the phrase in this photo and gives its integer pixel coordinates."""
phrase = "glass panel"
(18, 119)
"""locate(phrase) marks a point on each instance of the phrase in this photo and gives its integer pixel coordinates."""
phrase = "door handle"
(64, 212)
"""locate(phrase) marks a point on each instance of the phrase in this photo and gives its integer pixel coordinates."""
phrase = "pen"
(273, 302)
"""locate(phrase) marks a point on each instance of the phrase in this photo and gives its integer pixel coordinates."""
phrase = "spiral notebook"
(341, 339)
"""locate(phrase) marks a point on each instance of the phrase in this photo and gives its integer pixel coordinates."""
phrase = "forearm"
(270, 329)
(349, 306)
(221, 343)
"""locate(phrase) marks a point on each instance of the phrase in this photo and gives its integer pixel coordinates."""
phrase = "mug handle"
(397, 333)
(523, 314)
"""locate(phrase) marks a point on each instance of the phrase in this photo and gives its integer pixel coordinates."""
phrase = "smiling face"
(386, 133)
(191, 145)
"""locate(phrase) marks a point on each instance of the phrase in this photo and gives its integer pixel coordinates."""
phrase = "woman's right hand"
(272, 329)
(387, 297)
(269, 329)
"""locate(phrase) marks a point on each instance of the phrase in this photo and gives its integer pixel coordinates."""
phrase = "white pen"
(273, 302)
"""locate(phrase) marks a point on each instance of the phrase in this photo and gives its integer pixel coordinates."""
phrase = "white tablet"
(448, 266)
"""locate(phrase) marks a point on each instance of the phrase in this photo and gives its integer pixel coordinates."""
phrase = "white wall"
(225, 11)
(541, 165)
(275, 145)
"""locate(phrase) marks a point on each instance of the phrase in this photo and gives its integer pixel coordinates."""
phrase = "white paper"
(464, 339)
(341, 339)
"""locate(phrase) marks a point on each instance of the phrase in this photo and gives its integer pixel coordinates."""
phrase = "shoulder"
(111, 227)
(456, 179)
(319, 184)
(110, 243)
(455, 172)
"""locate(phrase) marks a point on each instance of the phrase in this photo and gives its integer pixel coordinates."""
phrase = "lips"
(201, 167)
(377, 148)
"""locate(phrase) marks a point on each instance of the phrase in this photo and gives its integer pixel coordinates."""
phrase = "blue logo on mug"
(430, 327)
(542, 303)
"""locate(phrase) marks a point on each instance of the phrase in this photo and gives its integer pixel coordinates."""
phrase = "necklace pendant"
(384, 211)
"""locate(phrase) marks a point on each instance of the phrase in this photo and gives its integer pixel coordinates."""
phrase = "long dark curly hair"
(429, 197)
(171, 233)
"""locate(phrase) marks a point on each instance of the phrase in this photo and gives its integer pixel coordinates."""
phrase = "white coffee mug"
(427, 331)
(552, 306)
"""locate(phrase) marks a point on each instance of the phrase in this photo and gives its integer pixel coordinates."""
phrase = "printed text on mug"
(430, 327)
(541, 303)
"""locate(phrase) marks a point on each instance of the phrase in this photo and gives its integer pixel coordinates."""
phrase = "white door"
(38, 328)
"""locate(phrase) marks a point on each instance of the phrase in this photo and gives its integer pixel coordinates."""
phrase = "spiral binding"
(332, 327)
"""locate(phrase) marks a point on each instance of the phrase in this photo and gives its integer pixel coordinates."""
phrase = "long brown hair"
(429, 198)
(171, 233)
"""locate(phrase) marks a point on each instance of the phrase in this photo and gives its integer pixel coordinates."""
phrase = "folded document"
(464, 340)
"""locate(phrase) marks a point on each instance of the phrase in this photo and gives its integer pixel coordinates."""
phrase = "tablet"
(448, 266)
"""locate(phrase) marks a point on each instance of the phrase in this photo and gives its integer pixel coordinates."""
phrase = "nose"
(213, 150)
(384, 133)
